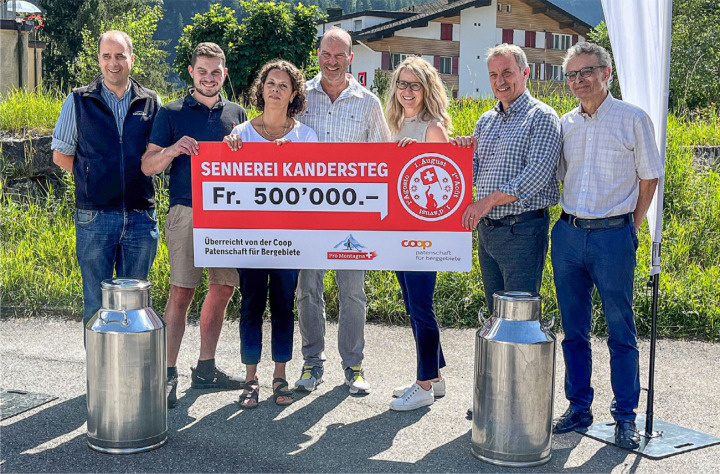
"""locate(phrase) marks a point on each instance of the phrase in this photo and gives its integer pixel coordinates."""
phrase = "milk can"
(126, 371)
(514, 383)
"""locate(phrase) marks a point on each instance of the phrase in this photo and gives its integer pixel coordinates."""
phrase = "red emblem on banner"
(431, 187)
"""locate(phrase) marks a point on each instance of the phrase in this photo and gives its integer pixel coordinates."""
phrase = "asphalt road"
(329, 430)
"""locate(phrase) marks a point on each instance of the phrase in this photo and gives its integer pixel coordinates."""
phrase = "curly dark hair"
(296, 78)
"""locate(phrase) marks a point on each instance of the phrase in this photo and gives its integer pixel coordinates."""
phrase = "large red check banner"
(373, 206)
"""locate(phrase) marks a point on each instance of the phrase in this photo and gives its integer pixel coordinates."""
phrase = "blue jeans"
(255, 284)
(125, 242)
(417, 290)
(512, 257)
(605, 259)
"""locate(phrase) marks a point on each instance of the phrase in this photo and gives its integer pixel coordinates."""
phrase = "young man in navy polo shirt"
(202, 115)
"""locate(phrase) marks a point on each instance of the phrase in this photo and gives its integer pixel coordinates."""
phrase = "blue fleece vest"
(107, 166)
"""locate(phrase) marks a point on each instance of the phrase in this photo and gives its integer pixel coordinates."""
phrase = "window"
(445, 65)
(533, 70)
(396, 59)
(561, 41)
(557, 73)
(530, 39)
(446, 31)
(507, 36)
(508, 8)
(357, 25)
(499, 6)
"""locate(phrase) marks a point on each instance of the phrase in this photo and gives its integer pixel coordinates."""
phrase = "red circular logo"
(431, 186)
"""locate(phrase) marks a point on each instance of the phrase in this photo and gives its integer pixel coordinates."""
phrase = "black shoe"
(572, 420)
(216, 379)
(626, 435)
(171, 391)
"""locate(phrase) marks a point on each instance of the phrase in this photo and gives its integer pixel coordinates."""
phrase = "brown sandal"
(280, 391)
(251, 392)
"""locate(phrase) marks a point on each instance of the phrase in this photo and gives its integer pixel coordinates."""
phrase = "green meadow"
(39, 272)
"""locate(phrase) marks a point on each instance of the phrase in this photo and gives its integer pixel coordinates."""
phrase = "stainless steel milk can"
(514, 383)
(126, 371)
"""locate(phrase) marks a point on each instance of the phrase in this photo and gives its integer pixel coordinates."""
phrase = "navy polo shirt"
(189, 117)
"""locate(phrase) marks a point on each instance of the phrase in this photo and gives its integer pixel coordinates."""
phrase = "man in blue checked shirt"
(517, 145)
(102, 132)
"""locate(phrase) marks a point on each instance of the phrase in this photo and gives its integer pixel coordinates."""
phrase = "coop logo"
(350, 249)
(431, 187)
(424, 244)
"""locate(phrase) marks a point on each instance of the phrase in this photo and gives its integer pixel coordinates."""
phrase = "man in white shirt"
(339, 109)
(609, 167)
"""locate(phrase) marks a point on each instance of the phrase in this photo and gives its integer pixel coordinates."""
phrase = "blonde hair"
(435, 100)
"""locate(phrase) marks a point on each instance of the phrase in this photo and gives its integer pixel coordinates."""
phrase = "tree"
(64, 23)
(217, 25)
(267, 31)
(694, 56)
(150, 68)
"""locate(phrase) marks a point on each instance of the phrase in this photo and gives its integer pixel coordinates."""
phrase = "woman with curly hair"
(279, 93)
(417, 112)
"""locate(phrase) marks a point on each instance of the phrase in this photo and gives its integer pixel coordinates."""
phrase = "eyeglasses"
(414, 86)
(584, 73)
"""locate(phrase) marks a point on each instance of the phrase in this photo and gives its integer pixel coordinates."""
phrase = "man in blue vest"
(101, 134)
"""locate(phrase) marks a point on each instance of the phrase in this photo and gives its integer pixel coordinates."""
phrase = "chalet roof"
(423, 13)
(398, 14)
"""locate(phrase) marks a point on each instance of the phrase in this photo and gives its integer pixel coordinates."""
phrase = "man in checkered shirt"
(517, 144)
(609, 167)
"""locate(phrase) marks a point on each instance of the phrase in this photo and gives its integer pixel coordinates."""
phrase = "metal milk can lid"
(125, 284)
(517, 305)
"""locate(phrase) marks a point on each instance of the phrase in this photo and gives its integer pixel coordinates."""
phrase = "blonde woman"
(417, 112)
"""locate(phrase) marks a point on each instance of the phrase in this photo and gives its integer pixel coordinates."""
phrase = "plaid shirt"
(355, 117)
(517, 153)
(604, 157)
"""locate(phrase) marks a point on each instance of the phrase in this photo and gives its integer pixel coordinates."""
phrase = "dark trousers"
(417, 290)
(255, 286)
(512, 256)
(605, 259)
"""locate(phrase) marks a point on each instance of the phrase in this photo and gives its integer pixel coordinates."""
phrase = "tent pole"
(654, 282)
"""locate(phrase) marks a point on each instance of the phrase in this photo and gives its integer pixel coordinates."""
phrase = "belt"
(515, 219)
(602, 223)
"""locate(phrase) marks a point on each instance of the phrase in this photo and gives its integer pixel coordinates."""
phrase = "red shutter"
(530, 39)
(548, 72)
(454, 93)
(385, 61)
(507, 36)
(446, 30)
(436, 62)
(548, 40)
(574, 39)
(455, 65)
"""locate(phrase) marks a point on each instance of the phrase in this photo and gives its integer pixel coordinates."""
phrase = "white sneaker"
(438, 388)
(415, 397)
